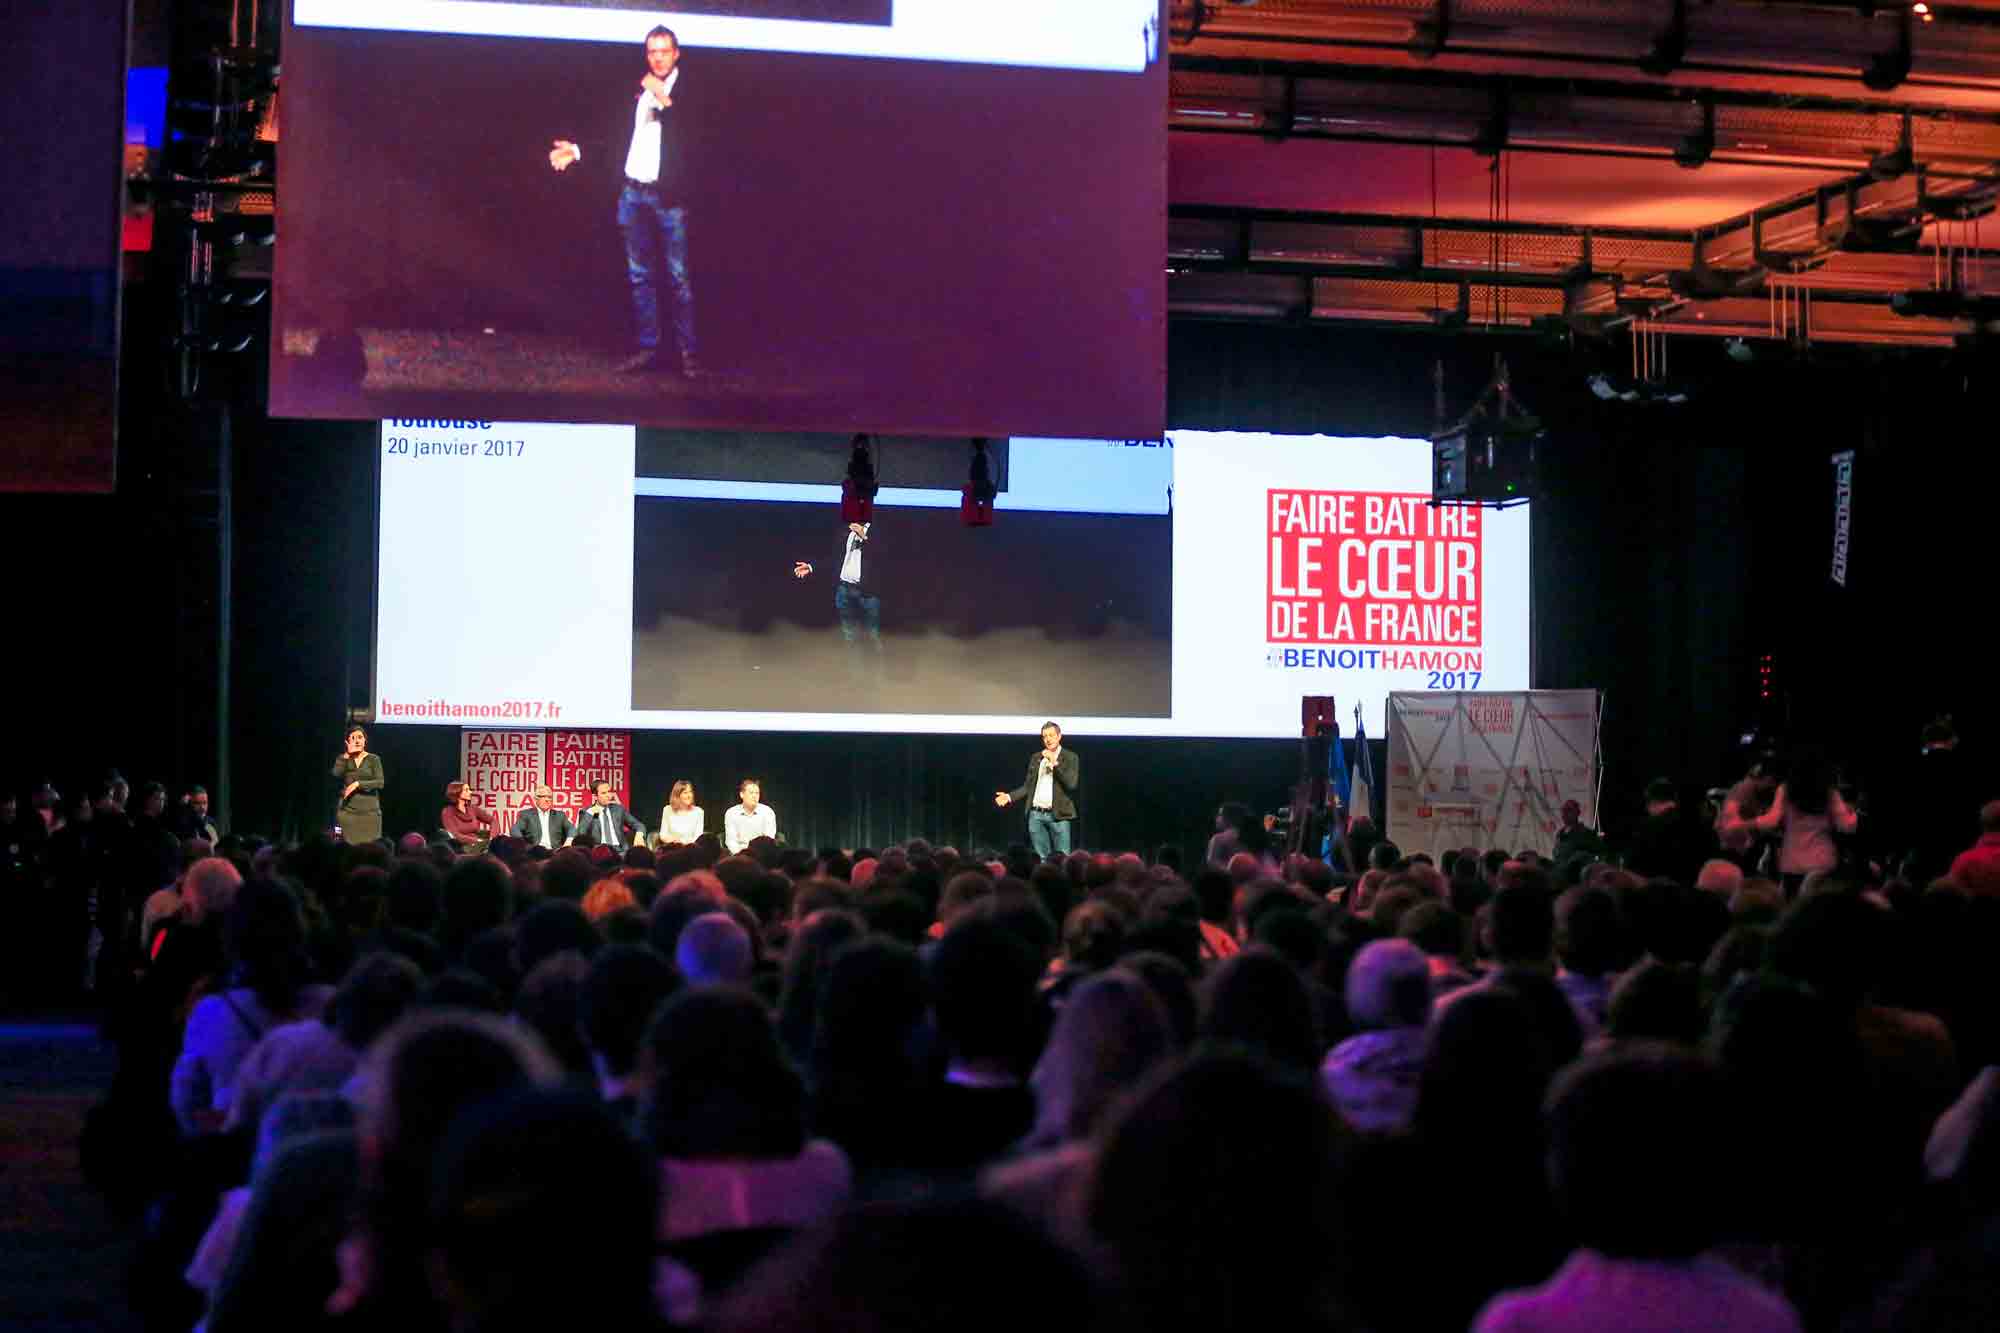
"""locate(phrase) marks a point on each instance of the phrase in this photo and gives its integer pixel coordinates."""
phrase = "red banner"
(503, 768)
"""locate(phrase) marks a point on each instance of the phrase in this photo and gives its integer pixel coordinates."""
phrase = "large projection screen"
(1199, 585)
(928, 216)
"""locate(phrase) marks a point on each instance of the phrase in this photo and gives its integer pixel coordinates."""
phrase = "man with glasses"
(541, 824)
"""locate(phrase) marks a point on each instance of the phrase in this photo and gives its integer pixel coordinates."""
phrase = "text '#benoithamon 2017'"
(1371, 567)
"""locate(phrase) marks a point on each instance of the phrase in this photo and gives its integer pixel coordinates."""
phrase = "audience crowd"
(1726, 1070)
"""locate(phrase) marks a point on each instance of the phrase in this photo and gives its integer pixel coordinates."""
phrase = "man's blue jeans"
(860, 613)
(654, 235)
(1046, 833)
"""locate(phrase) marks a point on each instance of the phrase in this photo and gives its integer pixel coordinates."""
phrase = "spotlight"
(857, 489)
(975, 506)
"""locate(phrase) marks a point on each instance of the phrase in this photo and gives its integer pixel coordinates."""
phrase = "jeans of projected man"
(655, 235)
(1046, 833)
(860, 614)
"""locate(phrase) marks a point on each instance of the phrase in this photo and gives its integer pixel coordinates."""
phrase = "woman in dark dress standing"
(360, 776)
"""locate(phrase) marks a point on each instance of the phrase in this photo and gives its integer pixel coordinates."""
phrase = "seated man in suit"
(541, 824)
(607, 822)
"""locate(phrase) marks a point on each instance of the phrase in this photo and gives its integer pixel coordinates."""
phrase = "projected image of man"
(652, 208)
(855, 599)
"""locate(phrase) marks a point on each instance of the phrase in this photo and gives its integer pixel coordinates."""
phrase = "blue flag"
(1336, 767)
(1362, 791)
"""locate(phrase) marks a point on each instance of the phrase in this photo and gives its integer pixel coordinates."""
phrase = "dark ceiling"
(1811, 172)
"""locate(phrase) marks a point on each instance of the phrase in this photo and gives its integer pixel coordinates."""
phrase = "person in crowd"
(1976, 870)
(864, 1075)
(358, 774)
(1439, 932)
(469, 827)
(749, 819)
(605, 822)
(1940, 792)
(1049, 792)
(1737, 812)
(322, 1054)
(1372, 1076)
(808, 958)
(416, 1080)
(1807, 812)
(546, 1004)
(1215, 1195)
(625, 986)
(1668, 842)
(899, 1266)
(1589, 948)
(1574, 838)
(681, 820)
(541, 824)
(1637, 1159)
(290, 1117)
(726, 1115)
(1477, 1117)
(607, 896)
(283, 1266)
(191, 817)
(981, 978)
(1259, 1001)
(265, 939)
(1232, 820)
(714, 950)
(532, 1191)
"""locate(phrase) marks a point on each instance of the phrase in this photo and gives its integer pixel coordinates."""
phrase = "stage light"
(975, 506)
(857, 489)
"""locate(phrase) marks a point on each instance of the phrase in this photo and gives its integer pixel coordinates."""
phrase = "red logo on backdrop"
(1371, 567)
(1487, 714)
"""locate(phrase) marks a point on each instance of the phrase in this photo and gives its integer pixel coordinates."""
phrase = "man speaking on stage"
(1050, 792)
(652, 207)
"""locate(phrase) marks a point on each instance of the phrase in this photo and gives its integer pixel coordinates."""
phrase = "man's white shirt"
(1045, 785)
(642, 160)
(740, 826)
(850, 563)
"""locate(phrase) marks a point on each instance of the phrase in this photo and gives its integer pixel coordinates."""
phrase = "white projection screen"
(606, 576)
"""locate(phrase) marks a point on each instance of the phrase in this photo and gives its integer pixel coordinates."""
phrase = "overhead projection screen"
(921, 216)
(1197, 585)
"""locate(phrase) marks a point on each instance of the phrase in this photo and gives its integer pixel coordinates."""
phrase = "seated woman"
(681, 820)
(467, 826)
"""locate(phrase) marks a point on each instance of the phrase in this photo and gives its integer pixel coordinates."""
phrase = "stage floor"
(687, 664)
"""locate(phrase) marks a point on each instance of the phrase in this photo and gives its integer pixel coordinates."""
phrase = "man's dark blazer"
(605, 154)
(528, 826)
(629, 829)
(1064, 789)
